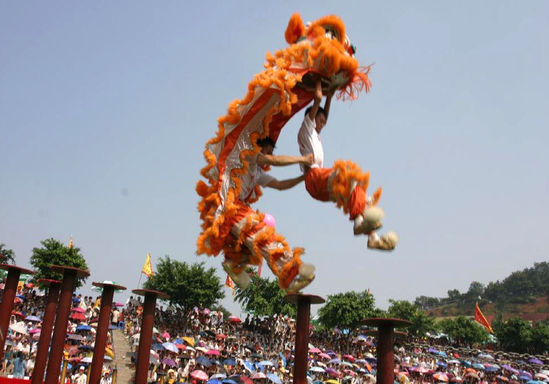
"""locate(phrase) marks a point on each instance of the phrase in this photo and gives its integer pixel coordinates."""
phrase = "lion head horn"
(295, 29)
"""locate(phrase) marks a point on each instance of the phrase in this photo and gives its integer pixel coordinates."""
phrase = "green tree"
(421, 321)
(347, 310)
(454, 295)
(475, 292)
(187, 285)
(53, 252)
(426, 303)
(6, 255)
(464, 330)
(540, 338)
(264, 297)
(514, 335)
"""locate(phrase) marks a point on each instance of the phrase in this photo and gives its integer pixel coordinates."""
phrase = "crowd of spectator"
(205, 346)
(25, 328)
(261, 349)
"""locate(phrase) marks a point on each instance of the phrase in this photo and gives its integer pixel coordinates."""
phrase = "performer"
(246, 227)
(345, 183)
(317, 50)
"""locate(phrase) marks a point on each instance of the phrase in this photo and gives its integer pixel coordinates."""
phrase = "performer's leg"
(293, 274)
(262, 242)
(347, 185)
(235, 265)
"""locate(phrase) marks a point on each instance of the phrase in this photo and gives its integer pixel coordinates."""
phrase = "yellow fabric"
(147, 267)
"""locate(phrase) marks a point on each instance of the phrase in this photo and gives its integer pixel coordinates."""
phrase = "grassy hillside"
(522, 294)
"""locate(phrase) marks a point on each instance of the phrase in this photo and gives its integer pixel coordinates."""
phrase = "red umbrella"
(180, 346)
(78, 309)
(17, 313)
(78, 316)
(258, 375)
(315, 350)
(234, 319)
(245, 380)
(199, 375)
(349, 358)
(213, 352)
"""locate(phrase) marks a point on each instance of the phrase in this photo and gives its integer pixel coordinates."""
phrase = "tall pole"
(10, 290)
(385, 342)
(145, 337)
(303, 303)
(63, 371)
(102, 329)
(47, 326)
(70, 274)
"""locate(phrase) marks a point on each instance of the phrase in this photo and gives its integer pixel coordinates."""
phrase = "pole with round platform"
(102, 328)
(70, 275)
(10, 290)
(385, 342)
(303, 303)
(145, 337)
(53, 287)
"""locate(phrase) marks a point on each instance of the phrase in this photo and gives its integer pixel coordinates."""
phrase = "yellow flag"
(147, 267)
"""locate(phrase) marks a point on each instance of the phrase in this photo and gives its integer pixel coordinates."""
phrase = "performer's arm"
(328, 102)
(283, 160)
(281, 185)
(318, 99)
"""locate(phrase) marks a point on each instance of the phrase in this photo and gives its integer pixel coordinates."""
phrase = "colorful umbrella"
(199, 375)
(170, 347)
(234, 319)
(78, 316)
(19, 328)
(169, 362)
(274, 378)
(258, 376)
(317, 369)
(441, 376)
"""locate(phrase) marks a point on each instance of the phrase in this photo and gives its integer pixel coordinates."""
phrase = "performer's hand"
(318, 91)
(309, 159)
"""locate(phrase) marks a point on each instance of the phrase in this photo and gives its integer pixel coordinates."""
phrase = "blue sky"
(105, 108)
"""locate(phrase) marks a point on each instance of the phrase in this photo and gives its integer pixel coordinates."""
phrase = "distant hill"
(522, 294)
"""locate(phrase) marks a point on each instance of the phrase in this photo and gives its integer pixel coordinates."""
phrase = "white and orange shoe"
(386, 242)
(305, 276)
(368, 221)
(242, 279)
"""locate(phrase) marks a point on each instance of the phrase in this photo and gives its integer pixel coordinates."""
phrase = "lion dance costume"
(319, 50)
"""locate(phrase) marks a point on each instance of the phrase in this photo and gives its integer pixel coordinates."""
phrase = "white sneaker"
(369, 220)
(305, 276)
(242, 279)
(386, 242)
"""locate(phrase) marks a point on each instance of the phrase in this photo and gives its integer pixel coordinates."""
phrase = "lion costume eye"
(331, 32)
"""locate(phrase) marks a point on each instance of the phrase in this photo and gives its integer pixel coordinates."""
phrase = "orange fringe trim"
(291, 269)
(340, 186)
